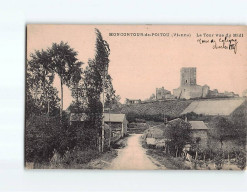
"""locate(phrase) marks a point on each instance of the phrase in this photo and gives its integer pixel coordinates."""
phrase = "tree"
(112, 99)
(151, 98)
(41, 96)
(94, 88)
(79, 94)
(239, 119)
(65, 63)
(96, 75)
(222, 129)
(177, 131)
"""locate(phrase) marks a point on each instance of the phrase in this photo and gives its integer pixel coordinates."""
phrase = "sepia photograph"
(135, 97)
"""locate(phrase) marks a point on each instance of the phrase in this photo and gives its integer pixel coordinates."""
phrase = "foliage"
(239, 119)
(64, 62)
(95, 76)
(73, 157)
(219, 159)
(192, 116)
(42, 136)
(241, 160)
(48, 134)
(178, 131)
(41, 96)
(222, 129)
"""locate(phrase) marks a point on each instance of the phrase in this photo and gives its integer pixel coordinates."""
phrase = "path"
(134, 157)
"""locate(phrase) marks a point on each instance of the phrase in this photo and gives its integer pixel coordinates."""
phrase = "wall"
(188, 92)
(161, 93)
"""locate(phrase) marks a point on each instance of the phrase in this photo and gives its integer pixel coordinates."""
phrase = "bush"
(72, 158)
(241, 160)
(41, 138)
(44, 135)
(219, 160)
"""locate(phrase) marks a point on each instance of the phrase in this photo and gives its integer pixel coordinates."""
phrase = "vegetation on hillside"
(154, 111)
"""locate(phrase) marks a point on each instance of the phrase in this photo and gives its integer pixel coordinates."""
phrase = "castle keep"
(187, 76)
(189, 89)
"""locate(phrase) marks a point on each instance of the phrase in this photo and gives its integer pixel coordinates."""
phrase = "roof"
(214, 107)
(198, 125)
(114, 117)
(107, 117)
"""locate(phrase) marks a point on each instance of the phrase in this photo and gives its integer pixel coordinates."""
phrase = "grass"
(168, 161)
(88, 159)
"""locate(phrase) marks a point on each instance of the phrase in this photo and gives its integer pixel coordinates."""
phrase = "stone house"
(199, 133)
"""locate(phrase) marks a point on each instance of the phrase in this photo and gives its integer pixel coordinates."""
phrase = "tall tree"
(65, 63)
(95, 83)
(39, 90)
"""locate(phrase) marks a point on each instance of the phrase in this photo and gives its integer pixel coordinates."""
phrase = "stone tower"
(188, 76)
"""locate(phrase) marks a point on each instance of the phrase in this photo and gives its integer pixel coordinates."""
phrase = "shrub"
(44, 135)
(41, 138)
(72, 158)
(219, 160)
(241, 160)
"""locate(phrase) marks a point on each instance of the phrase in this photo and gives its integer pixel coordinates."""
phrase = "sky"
(140, 64)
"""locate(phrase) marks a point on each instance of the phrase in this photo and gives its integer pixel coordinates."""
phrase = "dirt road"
(133, 156)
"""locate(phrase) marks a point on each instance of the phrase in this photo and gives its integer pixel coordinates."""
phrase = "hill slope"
(171, 108)
(177, 107)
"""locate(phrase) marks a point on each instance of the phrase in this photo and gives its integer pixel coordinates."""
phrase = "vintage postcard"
(136, 97)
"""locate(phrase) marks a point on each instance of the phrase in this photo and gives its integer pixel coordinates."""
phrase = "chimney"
(186, 120)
